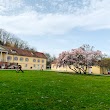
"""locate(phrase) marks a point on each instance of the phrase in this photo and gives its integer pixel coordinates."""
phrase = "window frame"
(34, 60)
(26, 59)
(9, 58)
(21, 58)
(15, 58)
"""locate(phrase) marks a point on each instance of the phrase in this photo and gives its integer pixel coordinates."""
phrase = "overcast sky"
(54, 26)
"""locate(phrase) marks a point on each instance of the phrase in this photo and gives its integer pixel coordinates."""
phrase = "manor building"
(27, 59)
(91, 70)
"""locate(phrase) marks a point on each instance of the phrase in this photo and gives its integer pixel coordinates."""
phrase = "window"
(42, 61)
(15, 58)
(26, 65)
(34, 60)
(38, 67)
(34, 65)
(38, 60)
(9, 58)
(21, 58)
(26, 59)
(13, 51)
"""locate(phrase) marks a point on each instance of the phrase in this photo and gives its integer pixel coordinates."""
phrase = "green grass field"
(47, 90)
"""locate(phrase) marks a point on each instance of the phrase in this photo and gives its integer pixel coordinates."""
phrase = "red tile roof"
(23, 52)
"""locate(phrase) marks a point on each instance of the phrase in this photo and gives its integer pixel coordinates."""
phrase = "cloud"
(10, 5)
(31, 22)
(36, 24)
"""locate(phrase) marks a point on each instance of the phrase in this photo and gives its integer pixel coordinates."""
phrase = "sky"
(53, 26)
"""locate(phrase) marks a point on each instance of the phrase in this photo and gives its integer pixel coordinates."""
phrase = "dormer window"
(13, 51)
(32, 53)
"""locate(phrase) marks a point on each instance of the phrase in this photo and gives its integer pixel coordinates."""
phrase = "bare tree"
(9, 39)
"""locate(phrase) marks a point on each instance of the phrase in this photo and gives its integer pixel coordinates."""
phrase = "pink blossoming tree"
(79, 59)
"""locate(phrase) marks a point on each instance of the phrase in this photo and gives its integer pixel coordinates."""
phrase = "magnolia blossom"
(79, 58)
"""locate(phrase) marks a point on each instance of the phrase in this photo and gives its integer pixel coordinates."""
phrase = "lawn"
(47, 90)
